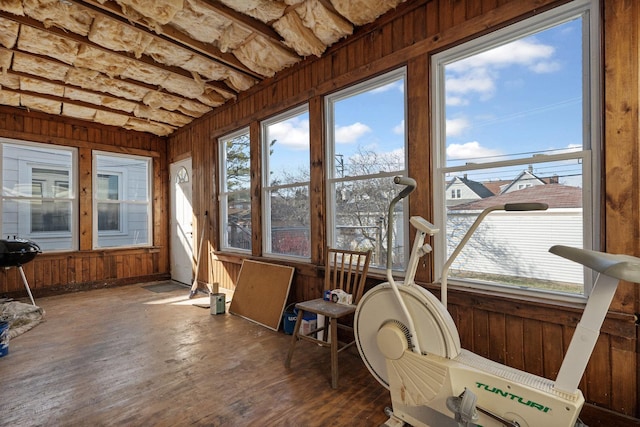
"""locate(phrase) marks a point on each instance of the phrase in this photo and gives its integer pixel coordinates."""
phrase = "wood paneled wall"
(525, 334)
(86, 267)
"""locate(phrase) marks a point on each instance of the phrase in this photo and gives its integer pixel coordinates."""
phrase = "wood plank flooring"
(130, 356)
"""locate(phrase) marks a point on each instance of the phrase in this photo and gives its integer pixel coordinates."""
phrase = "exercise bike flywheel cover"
(378, 307)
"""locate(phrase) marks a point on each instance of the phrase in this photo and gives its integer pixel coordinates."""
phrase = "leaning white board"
(261, 292)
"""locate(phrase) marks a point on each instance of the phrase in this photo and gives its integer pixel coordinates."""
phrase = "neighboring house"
(463, 190)
(526, 179)
(517, 243)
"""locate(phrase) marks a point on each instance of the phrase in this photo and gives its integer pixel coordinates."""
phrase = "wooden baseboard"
(594, 416)
(76, 287)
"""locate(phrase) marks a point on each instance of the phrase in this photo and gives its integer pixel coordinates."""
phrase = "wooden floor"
(131, 356)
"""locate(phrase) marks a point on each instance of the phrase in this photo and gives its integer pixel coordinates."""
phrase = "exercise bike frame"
(425, 387)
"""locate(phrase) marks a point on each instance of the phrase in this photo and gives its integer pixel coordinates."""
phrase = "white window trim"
(122, 201)
(223, 197)
(267, 188)
(331, 179)
(73, 191)
(589, 9)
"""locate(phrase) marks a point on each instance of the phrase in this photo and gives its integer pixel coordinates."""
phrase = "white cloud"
(470, 150)
(398, 85)
(351, 133)
(455, 127)
(526, 52)
(476, 80)
(478, 73)
(292, 133)
(399, 128)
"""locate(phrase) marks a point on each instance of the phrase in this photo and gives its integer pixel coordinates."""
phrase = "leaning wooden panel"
(261, 292)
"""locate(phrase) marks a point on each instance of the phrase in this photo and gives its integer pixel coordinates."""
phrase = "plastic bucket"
(290, 316)
(289, 319)
(4, 338)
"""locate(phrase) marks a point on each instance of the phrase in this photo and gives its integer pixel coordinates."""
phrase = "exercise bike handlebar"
(525, 206)
(410, 185)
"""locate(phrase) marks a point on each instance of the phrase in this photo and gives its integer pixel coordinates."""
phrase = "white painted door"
(181, 222)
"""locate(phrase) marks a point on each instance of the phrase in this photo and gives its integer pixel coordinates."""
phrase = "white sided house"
(517, 243)
(463, 190)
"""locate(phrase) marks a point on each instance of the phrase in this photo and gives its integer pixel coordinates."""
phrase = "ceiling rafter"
(171, 35)
(170, 61)
(251, 24)
(23, 20)
(79, 103)
(82, 89)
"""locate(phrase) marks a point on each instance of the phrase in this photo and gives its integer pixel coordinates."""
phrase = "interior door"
(181, 222)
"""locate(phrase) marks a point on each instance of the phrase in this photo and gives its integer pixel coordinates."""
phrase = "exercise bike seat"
(618, 266)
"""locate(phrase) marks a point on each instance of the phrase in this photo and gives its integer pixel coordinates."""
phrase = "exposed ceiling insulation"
(156, 65)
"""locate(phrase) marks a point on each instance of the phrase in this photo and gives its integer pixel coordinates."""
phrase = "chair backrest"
(346, 270)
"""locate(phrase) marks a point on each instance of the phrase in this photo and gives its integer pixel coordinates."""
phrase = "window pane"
(370, 126)
(122, 203)
(239, 220)
(289, 220)
(287, 143)
(511, 248)
(517, 100)
(235, 206)
(367, 140)
(238, 163)
(108, 187)
(50, 216)
(108, 217)
(286, 185)
(361, 218)
(38, 194)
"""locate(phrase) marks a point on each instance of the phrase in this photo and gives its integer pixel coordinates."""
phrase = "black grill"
(16, 252)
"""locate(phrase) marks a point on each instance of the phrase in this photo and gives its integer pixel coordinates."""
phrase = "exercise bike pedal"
(464, 408)
(393, 421)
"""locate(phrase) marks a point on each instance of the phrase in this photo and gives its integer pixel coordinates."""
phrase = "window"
(365, 150)
(516, 115)
(108, 212)
(286, 184)
(122, 200)
(235, 197)
(38, 194)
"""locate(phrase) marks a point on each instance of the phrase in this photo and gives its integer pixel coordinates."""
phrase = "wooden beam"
(171, 35)
(23, 20)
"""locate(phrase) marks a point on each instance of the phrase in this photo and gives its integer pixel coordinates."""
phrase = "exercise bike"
(410, 344)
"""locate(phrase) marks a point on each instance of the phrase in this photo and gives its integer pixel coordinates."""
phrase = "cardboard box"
(308, 325)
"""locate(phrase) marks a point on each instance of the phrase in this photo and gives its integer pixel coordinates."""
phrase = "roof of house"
(523, 174)
(477, 187)
(554, 195)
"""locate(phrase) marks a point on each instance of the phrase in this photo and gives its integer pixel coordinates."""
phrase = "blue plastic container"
(4, 338)
(290, 316)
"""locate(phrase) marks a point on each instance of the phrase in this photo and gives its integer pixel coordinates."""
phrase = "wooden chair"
(346, 270)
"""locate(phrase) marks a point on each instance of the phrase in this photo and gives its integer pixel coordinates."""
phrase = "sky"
(519, 99)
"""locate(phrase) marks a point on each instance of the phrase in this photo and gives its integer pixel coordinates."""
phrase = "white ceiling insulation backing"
(155, 65)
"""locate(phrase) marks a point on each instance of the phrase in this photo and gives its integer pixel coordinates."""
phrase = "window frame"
(331, 179)
(123, 201)
(26, 175)
(591, 125)
(267, 188)
(223, 196)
